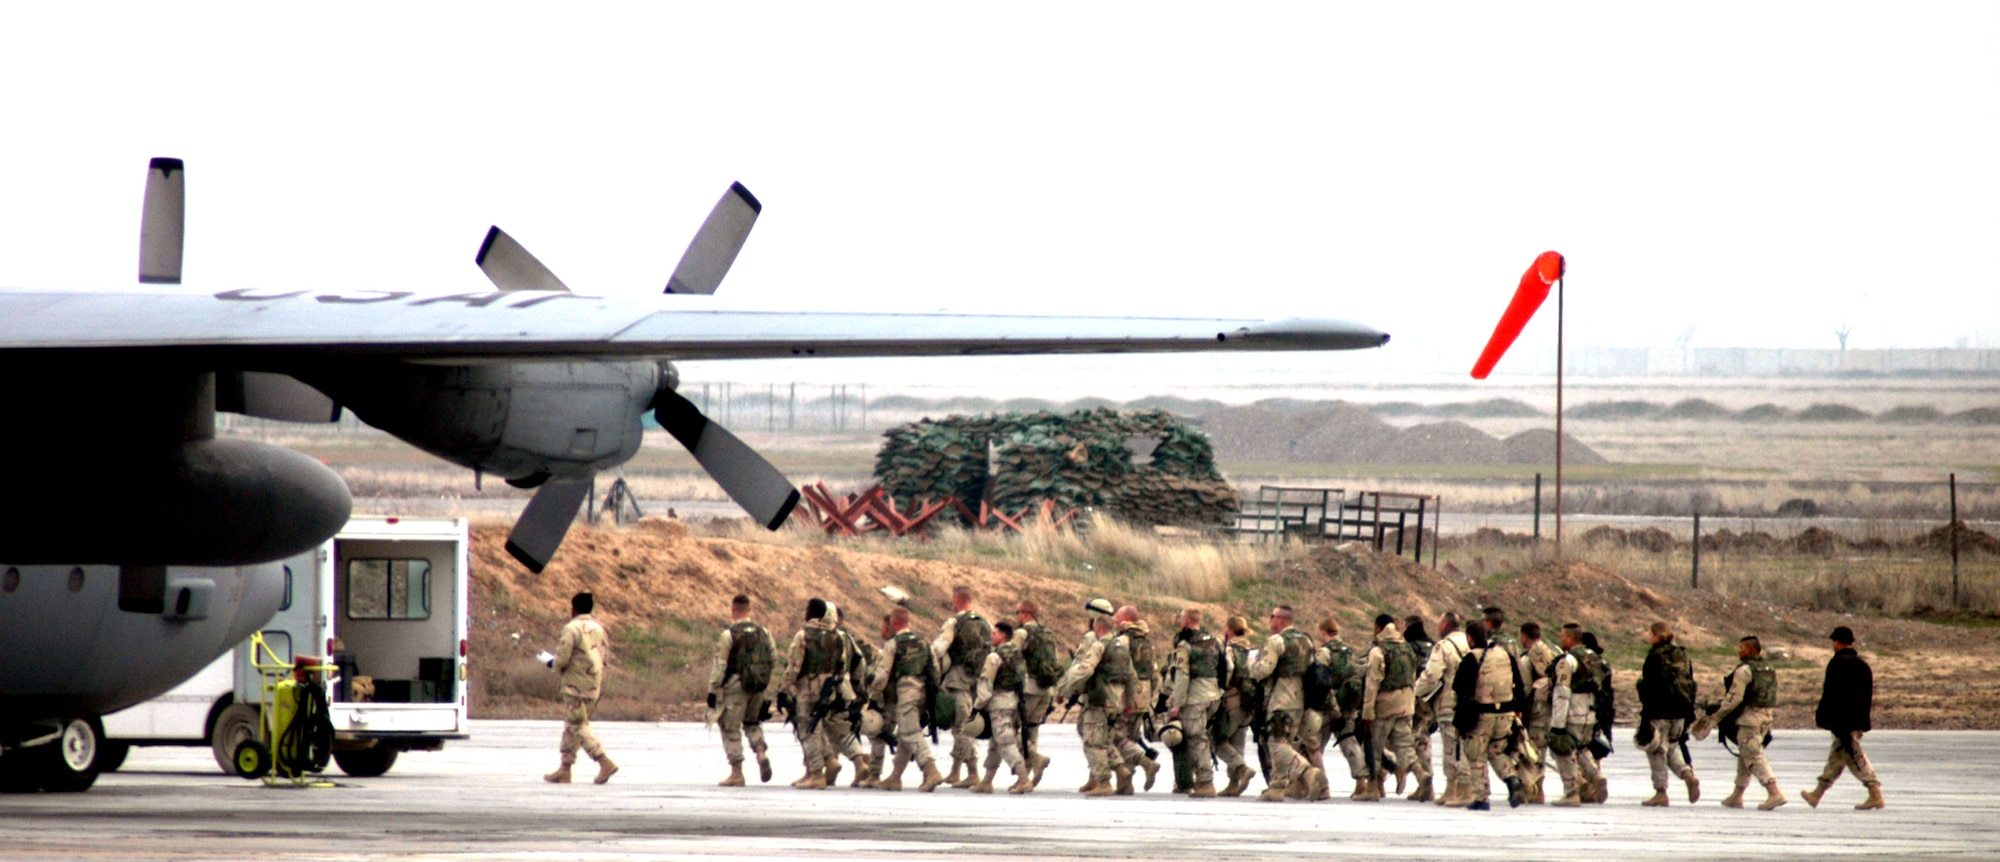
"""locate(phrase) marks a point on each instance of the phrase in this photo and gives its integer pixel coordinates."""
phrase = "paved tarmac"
(484, 800)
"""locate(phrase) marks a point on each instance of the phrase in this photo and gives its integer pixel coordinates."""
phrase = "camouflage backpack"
(749, 656)
(971, 639)
(1399, 668)
(1040, 653)
(1675, 657)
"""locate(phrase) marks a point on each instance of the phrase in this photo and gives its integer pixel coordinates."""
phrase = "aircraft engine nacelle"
(524, 421)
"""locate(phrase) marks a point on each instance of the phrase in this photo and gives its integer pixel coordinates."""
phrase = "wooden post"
(1954, 541)
(1538, 508)
(1437, 531)
(1694, 582)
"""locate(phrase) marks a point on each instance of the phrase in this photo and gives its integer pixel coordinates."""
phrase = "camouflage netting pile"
(1077, 459)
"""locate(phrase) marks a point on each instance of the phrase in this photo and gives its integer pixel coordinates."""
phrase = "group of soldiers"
(1511, 704)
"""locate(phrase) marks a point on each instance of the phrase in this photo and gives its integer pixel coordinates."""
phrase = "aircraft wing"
(288, 324)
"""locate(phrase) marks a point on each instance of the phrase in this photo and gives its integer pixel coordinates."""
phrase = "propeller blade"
(743, 474)
(160, 225)
(510, 267)
(545, 522)
(715, 246)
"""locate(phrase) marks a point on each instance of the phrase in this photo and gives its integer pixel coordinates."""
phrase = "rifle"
(790, 707)
(929, 714)
(827, 702)
(1260, 723)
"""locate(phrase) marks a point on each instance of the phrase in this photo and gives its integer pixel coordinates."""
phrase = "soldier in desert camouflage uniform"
(745, 651)
(580, 657)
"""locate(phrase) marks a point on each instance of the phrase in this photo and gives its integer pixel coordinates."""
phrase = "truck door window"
(388, 589)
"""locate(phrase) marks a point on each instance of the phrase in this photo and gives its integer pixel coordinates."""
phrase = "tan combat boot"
(1600, 790)
(1535, 796)
(1572, 796)
(1401, 776)
(985, 784)
(1734, 800)
(894, 782)
(1090, 785)
(1812, 796)
(931, 778)
(1124, 775)
(1202, 790)
(1773, 797)
(605, 769)
(1152, 768)
(1460, 796)
(956, 772)
(1694, 789)
(1874, 801)
(832, 771)
(1098, 786)
(1041, 763)
(1317, 787)
(1273, 793)
(862, 777)
(1022, 784)
(1425, 792)
(1364, 787)
(1235, 787)
(560, 776)
(814, 780)
(735, 778)
(1657, 800)
(763, 768)
(1451, 784)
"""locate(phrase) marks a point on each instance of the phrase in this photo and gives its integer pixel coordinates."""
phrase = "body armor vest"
(912, 657)
(822, 652)
(1763, 689)
(1298, 653)
(1204, 657)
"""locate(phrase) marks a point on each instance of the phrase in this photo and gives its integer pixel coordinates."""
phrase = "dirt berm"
(665, 596)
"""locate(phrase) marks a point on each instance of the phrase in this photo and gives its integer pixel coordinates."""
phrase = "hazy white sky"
(1758, 172)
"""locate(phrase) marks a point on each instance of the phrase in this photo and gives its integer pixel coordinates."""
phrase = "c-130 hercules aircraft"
(108, 401)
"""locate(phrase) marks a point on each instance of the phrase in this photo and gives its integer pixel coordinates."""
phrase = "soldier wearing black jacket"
(1844, 703)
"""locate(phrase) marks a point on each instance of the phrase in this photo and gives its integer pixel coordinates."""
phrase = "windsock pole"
(1547, 271)
(1559, 416)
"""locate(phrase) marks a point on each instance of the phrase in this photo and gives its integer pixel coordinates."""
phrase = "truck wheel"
(366, 762)
(69, 765)
(111, 755)
(252, 760)
(237, 724)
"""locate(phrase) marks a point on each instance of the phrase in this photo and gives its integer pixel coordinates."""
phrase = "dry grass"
(1104, 552)
(1894, 581)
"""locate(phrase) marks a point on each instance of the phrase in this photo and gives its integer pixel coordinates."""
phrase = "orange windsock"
(1527, 298)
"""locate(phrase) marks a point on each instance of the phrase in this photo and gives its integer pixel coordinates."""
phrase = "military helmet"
(871, 722)
(1171, 735)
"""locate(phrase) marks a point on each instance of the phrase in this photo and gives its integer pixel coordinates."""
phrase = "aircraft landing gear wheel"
(236, 724)
(69, 765)
(111, 755)
(252, 760)
(366, 762)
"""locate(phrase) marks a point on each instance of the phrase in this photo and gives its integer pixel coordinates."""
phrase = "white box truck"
(386, 601)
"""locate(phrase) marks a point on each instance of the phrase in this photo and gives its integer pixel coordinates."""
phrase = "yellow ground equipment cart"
(294, 737)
